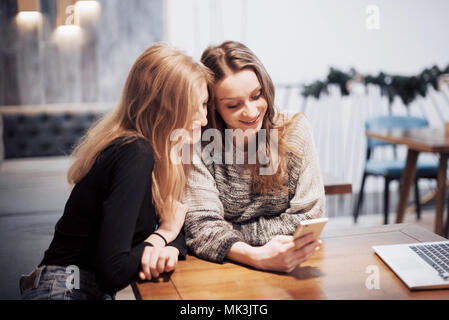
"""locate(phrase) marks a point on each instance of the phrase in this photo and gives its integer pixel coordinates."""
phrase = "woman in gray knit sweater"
(235, 212)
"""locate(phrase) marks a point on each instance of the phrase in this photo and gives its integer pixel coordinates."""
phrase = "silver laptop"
(420, 266)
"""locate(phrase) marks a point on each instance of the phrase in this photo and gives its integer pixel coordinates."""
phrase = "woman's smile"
(251, 122)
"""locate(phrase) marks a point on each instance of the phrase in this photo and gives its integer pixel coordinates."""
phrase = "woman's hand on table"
(157, 260)
(159, 257)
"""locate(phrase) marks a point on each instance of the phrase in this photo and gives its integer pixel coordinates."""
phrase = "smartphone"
(312, 225)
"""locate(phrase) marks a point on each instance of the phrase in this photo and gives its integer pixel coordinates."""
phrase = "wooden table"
(334, 185)
(420, 140)
(337, 271)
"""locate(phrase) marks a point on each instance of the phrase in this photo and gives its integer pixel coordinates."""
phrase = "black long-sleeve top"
(108, 216)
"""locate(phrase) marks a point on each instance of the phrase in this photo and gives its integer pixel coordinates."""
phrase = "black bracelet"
(147, 243)
(158, 234)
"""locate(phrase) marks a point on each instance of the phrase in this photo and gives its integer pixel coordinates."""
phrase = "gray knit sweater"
(220, 193)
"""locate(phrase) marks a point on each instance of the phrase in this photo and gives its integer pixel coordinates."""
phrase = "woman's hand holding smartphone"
(285, 253)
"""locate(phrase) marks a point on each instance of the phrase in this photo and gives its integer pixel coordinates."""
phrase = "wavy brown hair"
(160, 95)
(231, 57)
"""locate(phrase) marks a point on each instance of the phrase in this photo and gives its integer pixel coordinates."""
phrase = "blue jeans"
(53, 283)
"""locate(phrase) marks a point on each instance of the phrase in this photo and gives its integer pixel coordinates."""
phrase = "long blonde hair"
(233, 56)
(160, 95)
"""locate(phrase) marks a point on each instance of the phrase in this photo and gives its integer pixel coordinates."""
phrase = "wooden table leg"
(441, 192)
(407, 179)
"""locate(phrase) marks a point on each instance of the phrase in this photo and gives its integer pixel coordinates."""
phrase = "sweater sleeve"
(180, 244)
(208, 235)
(117, 263)
(308, 201)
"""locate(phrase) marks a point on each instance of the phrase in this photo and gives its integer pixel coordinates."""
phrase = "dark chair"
(392, 169)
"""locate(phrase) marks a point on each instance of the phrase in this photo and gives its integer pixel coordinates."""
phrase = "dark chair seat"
(393, 168)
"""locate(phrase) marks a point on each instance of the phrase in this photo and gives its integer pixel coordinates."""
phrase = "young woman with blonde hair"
(123, 217)
(236, 212)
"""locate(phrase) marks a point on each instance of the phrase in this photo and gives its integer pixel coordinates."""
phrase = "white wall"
(298, 40)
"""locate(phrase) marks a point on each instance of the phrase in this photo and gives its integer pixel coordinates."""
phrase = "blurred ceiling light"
(89, 10)
(28, 15)
(68, 32)
(29, 19)
(68, 36)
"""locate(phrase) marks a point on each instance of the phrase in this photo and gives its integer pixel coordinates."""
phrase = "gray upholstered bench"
(35, 142)
(43, 131)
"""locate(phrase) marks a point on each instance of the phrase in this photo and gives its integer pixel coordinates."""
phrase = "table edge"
(416, 232)
(410, 143)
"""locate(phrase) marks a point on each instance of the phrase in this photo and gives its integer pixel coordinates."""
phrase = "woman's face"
(240, 101)
(200, 117)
